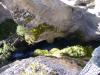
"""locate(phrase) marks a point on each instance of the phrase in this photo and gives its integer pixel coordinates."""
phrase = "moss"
(35, 32)
(29, 38)
(72, 51)
(5, 52)
(36, 69)
(40, 52)
(76, 51)
(7, 28)
(20, 30)
(55, 52)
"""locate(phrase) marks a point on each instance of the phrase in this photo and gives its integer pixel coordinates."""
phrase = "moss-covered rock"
(72, 51)
(32, 35)
(37, 69)
(42, 65)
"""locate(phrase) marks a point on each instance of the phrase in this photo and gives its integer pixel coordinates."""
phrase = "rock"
(86, 15)
(75, 3)
(93, 66)
(32, 13)
(41, 65)
(4, 14)
(66, 16)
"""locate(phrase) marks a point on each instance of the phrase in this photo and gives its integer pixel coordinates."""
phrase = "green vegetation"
(40, 52)
(5, 52)
(7, 28)
(73, 51)
(33, 34)
(20, 30)
(38, 69)
(76, 51)
(55, 52)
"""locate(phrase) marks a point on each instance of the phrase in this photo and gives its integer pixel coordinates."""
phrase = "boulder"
(66, 16)
(93, 66)
(41, 65)
(4, 14)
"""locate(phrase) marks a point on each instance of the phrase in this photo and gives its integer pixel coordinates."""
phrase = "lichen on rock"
(42, 65)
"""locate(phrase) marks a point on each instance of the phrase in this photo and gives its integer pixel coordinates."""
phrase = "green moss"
(36, 69)
(55, 52)
(7, 28)
(5, 52)
(40, 52)
(20, 30)
(33, 34)
(76, 51)
(72, 51)
(29, 38)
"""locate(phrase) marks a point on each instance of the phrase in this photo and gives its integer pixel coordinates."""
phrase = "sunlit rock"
(41, 66)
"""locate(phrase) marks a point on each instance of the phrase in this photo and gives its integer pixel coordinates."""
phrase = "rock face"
(4, 14)
(41, 66)
(66, 16)
(52, 12)
(93, 66)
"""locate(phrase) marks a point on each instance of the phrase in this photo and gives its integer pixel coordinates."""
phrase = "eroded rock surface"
(41, 65)
(4, 14)
(66, 18)
(93, 66)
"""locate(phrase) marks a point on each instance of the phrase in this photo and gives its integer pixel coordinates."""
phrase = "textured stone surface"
(93, 66)
(4, 14)
(42, 64)
(67, 16)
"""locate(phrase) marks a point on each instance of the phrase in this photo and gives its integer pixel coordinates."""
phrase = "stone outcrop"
(93, 66)
(4, 14)
(41, 65)
(66, 16)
